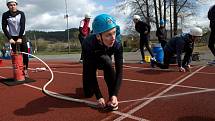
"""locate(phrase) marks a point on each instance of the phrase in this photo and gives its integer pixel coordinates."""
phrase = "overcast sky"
(48, 15)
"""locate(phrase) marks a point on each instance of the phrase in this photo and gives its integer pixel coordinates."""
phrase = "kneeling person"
(97, 50)
(178, 45)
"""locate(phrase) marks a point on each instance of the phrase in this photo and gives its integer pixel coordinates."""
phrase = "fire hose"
(56, 95)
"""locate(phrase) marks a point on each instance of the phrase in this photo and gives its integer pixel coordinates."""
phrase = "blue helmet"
(162, 22)
(102, 23)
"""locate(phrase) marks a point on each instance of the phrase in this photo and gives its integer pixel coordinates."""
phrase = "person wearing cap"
(98, 48)
(84, 31)
(211, 17)
(180, 44)
(161, 33)
(13, 26)
(144, 29)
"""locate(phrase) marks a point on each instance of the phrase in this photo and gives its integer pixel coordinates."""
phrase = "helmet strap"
(101, 38)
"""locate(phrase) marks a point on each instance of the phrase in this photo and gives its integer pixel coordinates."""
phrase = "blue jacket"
(181, 44)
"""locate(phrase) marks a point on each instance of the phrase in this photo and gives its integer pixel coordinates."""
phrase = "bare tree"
(154, 10)
(165, 8)
(156, 14)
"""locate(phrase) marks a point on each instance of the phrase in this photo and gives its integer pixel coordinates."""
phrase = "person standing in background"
(144, 29)
(161, 33)
(84, 31)
(13, 26)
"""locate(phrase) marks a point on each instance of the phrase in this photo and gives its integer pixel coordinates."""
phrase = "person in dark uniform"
(84, 31)
(14, 20)
(180, 44)
(3, 51)
(211, 17)
(97, 51)
(144, 29)
(161, 33)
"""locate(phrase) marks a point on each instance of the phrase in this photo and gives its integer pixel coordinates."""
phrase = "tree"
(154, 10)
(182, 8)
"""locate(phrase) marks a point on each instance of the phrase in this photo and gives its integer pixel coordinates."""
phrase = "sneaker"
(211, 62)
(112, 104)
(80, 61)
(152, 63)
(26, 73)
(101, 103)
(153, 59)
(142, 62)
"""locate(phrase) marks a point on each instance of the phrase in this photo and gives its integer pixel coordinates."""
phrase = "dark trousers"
(144, 42)
(81, 39)
(23, 48)
(167, 57)
(90, 83)
(3, 53)
(163, 43)
(212, 41)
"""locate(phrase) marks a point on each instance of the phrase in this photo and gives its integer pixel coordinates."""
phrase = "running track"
(146, 94)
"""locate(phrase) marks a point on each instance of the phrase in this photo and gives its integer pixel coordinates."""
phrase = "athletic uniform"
(13, 26)
(98, 56)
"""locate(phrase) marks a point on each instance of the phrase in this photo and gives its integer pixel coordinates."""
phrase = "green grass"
(72, 51)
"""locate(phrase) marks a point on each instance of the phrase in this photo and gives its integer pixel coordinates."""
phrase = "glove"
(12, 41)
(19, 41)
(181, 69)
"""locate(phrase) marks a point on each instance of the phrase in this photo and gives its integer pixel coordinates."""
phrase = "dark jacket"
(181, 44)
(92, 48)
(17, 29)
(161, 33)
(142, 27)
(211, 16)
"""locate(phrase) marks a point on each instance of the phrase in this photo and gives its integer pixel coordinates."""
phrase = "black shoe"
(80, 61)
(142, 62)
(152, 63)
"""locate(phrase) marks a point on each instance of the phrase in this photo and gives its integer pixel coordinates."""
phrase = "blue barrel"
(158, 53)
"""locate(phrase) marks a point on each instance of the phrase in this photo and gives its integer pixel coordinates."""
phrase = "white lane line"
(134, 80)
(157, 69)
(158, 95)
(166, 84)
(34, 87)
(136, 67)
(115, 112)
(142, 68)
(130, 116)
(208, 73)
(141, 81)
(6, 67)
(170, 95)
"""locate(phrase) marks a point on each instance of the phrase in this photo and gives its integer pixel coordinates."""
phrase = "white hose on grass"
(59, 96)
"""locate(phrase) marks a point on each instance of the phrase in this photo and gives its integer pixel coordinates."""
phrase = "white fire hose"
(56, 95)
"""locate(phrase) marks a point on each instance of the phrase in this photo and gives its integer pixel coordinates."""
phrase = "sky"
(48, 15)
